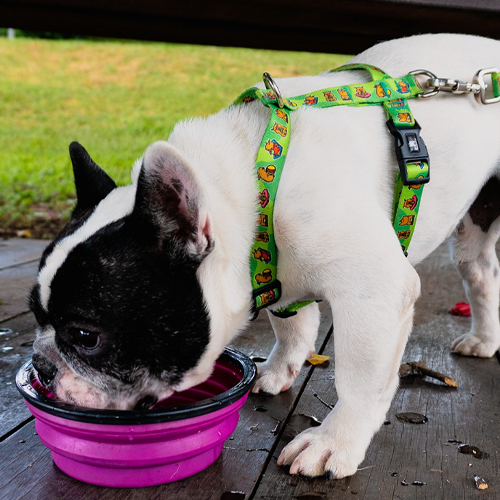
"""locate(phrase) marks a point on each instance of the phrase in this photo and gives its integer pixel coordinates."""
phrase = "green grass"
(113, 97)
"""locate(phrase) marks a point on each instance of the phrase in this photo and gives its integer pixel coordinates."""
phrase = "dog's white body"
(334, 233)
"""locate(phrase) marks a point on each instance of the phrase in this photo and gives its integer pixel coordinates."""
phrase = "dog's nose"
(146, 403)
(45, 369)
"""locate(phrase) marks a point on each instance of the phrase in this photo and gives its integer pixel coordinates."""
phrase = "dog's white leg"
(295, 337)
(473, 251)
(372, 322)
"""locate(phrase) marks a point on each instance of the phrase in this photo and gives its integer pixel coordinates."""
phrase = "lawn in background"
(115, 98)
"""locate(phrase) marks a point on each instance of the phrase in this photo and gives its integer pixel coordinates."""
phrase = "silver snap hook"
(271, 85)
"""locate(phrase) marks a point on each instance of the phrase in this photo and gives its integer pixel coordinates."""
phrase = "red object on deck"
(461, 309)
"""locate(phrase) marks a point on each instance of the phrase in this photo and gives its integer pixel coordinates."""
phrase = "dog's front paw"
(275, 378)
(474, 345)
(316, 452)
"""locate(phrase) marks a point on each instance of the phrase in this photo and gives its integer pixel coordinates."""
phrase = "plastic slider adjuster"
(271, 292)
(410, 149)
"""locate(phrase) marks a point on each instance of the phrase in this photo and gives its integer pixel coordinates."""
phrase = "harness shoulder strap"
(410, 149)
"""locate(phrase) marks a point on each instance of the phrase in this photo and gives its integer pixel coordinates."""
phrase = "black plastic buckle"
(274, 285)
(410, 148)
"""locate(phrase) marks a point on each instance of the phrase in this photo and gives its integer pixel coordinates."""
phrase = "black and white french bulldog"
(139, 294)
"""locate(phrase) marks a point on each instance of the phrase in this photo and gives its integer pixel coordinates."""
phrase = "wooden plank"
(15, 349)
(322, 27)
(17, 251)
(415, 452)
(29, 472)
(15, 286)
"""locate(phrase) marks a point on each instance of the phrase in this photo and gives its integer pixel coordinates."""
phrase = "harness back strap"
(382, 90)
(411, 153)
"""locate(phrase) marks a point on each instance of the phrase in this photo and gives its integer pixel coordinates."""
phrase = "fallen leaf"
(481, 484)
(318, 359)
(23, 233)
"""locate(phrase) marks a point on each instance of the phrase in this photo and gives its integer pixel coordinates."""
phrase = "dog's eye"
(87, 340)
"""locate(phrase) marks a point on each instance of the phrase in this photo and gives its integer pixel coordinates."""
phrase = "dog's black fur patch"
(147, 306)
(486, 207)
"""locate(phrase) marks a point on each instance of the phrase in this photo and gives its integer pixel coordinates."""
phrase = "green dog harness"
(411, 153)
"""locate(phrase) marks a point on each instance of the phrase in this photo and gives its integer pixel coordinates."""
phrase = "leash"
(411, 153)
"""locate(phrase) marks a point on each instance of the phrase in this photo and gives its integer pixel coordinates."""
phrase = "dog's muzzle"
(45, 369)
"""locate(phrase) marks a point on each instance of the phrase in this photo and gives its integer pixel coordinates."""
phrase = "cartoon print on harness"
(264, 198)
(416, 186)
(268, 297)
(381, 92)
(262, 236)
(396, 103)
(265, 277)
(361, 92)
(344, 94)
(404, 117)
(263, 255)
(280, 129)
(273, 148)
(407, 220)
(266, 174)
(402, 87)
(410, 203)
(404, 234)
(281, 114)
(378, 70)
(263, 220)
(310, 100)
(329, 96)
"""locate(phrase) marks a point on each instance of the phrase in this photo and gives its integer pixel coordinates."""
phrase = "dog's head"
(122, 314)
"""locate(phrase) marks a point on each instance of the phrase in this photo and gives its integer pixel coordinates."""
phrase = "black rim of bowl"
(127, 417)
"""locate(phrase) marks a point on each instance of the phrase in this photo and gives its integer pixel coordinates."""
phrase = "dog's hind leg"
(372, 309)
(295, 337)
(473, 251)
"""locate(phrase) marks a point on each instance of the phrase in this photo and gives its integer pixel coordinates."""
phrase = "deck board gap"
(288, 417)
(16, 428)
(19, 264)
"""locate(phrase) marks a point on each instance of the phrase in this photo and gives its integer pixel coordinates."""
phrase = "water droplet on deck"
(411, 418)
(468, 449)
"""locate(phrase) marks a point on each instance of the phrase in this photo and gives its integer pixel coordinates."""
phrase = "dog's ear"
(92, 183)
(169, 197)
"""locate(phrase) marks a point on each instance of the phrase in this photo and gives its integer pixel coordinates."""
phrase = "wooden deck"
(400, 454)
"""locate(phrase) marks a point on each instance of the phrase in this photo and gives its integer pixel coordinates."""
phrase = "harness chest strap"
(410, 149)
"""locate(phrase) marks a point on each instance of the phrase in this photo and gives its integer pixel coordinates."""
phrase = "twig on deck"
(420, 368)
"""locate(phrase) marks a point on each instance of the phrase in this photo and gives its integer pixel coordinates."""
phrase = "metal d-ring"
(271, 85)
(432, 78)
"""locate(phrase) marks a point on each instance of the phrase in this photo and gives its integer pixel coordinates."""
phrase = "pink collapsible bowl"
(177, 438)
